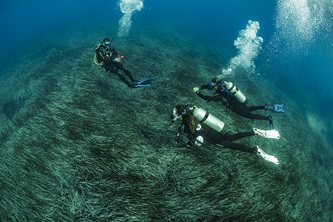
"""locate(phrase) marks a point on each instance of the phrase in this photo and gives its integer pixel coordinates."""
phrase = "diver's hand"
(189, 144)
(119, 58)
(196, 89)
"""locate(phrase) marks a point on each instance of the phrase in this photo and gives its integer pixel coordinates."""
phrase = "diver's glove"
(118, 59)
(196, 89)
(267, 157)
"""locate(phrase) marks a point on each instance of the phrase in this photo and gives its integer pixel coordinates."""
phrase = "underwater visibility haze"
(77, 144)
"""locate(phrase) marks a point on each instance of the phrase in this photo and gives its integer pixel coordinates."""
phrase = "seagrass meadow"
(78, 145)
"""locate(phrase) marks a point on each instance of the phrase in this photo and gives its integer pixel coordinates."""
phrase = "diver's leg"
(122, 77)
(244, 111)
(110, 68)
(237, 136)
(238, 146)
(240, 109)
(129, 75)
(253, 108)
(114, 70)
(126, 71)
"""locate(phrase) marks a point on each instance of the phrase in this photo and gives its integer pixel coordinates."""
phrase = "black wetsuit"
(106, 56)
(203, 133)
(232, 103)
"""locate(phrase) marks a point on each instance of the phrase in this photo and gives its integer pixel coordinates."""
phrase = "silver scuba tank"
(208, 119)
(236, 92)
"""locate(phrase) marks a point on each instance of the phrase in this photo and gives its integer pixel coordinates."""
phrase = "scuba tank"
(208, 119)
(236, 92)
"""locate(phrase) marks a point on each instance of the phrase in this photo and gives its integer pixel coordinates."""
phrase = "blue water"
(296, 53)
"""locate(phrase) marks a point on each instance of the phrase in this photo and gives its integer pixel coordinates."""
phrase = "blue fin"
(146, 82)
(277, 108)
(142, 85)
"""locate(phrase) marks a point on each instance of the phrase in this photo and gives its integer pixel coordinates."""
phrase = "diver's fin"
(277, 108)
(267, 157)
(272, 134)
(142, 86)
(144, 82)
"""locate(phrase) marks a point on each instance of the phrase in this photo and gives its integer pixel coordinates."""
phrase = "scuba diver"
(234, 99)
(212, 130)
(107, 57)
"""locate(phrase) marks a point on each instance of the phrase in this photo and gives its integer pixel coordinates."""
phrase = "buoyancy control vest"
(103, 52)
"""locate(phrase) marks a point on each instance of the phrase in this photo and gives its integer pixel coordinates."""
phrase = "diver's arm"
(216, 97)
(204, 86)
(114, 53)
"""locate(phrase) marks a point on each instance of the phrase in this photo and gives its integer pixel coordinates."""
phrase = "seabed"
(78, 145)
